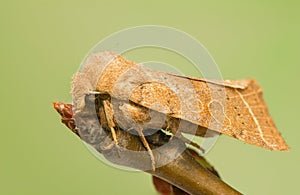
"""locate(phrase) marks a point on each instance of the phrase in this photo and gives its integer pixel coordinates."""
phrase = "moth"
(134, 98)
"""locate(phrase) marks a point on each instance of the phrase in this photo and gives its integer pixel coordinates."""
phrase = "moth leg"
(114, 135)
(109, 118)
(110, 146)
(146, 144)
(170, 127)
(185, 140)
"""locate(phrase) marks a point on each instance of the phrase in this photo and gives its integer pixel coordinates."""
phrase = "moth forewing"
(234, 108)
(239, 84)
(245, 114)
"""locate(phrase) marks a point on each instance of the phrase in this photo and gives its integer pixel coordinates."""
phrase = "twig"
(175, 164)
(183, 172)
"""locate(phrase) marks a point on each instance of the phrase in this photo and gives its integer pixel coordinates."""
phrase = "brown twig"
(183, 172)
(177, 168)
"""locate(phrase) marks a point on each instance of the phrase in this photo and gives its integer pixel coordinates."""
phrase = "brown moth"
(135, 97)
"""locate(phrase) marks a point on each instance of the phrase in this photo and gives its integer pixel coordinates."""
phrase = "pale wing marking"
(247, 94)
(254, 118)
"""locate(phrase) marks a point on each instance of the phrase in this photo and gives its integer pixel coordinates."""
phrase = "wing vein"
(261, 134)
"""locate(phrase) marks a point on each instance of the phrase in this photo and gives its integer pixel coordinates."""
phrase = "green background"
(43, 42)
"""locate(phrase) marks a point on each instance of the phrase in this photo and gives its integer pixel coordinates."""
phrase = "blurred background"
(42, 44)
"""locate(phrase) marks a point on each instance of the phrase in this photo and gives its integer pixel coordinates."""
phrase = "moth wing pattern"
(239, 84)
(242, 111)
(233, 108)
